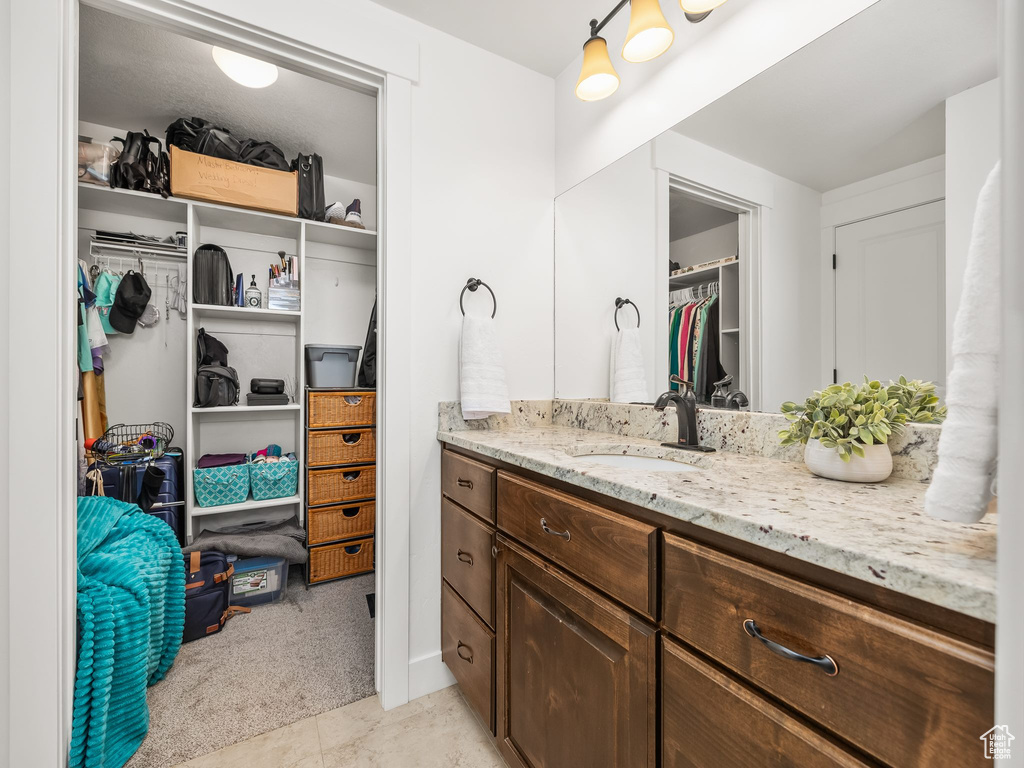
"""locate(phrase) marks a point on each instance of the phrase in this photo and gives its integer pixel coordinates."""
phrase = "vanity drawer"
(469, 483)
(906, 694)
(467, 647)
(466, 561)
(711, 720)
(614, 553)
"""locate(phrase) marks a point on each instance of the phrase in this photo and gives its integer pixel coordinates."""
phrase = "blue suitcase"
(124, 482)
(207, 602)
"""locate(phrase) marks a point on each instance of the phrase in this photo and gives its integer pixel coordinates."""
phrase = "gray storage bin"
(331, 366)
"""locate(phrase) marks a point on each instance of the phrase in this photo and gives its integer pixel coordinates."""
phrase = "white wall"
(790, 309)
(738, 41)
(972, 148)
(606, 247)
(709, 245)
(5, 219)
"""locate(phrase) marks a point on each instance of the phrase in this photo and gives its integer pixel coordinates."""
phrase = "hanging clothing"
(694, 344)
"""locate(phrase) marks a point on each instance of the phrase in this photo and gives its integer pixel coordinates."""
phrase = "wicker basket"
(343, 522)
(343, 446)
(341, 409)
(337, 560)
(334, 486)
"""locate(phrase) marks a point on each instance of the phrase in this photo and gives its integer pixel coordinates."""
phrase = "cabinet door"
(576, 673)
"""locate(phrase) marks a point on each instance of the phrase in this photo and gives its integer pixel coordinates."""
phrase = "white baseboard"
(428, 674)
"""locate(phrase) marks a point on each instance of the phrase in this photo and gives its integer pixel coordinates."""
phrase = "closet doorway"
(714, 253)
(343, 269)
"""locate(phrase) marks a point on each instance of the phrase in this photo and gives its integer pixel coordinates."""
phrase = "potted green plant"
(846, 427)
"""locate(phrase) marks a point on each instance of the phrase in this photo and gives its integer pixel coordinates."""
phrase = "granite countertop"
(877, 532)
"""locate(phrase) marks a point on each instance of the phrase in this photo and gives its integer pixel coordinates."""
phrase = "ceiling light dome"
(649, 34)
(598, 78)
(245, 70)
(695, 7)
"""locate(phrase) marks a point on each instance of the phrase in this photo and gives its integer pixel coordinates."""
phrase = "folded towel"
(482, 384)
(628, 380)
(961, 487)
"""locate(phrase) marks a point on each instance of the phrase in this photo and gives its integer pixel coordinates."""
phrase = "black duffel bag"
(311, 187)
(139, 166)
(195, 134)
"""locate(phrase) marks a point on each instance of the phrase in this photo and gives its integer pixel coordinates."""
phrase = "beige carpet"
(310, 653)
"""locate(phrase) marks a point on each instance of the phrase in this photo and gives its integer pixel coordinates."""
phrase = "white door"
(890, 296)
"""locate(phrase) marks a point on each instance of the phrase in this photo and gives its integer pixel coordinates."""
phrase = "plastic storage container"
(259, 580)
(330, 366)
(94, 161)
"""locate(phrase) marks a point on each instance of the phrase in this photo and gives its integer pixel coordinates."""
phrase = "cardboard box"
(213, 180)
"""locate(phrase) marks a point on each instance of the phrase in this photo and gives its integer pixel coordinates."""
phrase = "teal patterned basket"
(221, 485)
(274, 481)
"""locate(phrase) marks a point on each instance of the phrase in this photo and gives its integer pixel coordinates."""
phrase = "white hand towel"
(481, 370)
(628, 380)
(962, 485)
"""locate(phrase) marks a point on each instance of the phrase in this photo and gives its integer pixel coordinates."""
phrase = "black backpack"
(216, 382)
(139, 166)
(311, 187)
(212, 277)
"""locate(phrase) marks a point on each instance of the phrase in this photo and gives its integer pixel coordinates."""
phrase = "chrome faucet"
(686, 415)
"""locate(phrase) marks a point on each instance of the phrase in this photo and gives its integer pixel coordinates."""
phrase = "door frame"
(829, 361)
(751, 228)
(44, 42)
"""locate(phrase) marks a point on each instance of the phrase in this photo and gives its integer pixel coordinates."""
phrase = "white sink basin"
(647, 463)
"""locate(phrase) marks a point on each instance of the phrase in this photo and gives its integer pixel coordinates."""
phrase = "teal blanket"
(131, 613)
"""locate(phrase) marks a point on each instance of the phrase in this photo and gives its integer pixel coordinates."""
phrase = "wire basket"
(132, 443)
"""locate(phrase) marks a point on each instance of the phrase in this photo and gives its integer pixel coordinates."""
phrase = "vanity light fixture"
(245, 70)
(649, 35)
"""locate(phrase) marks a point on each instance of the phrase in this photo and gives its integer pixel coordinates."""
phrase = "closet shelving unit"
(728, 277)
(255, 346)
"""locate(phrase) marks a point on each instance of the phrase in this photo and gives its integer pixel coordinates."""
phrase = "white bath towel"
(962, 485)
(482, 385)
(628, 380)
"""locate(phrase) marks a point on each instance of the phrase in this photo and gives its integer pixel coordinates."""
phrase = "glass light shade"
(245, 70)
(598, 78)
(699, 6)
(649, 34)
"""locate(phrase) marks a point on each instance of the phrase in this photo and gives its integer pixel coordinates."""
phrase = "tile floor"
(435, 731)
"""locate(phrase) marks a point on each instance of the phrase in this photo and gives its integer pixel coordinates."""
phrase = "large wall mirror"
(810, 226)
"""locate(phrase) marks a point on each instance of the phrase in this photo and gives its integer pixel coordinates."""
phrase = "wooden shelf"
(335, 234)
(242, 410)
(248, 504)
(245, 313)
(128, 202)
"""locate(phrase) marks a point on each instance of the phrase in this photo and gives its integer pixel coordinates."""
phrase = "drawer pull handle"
(826, 663)
(468, 655)
(465, 557)
(544, 525)
(466, 484)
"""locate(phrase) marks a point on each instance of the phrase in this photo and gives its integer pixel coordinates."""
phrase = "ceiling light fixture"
(649, 35)
(245, 70)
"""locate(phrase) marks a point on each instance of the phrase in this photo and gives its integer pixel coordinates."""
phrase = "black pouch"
(311, 186)
(213, 280)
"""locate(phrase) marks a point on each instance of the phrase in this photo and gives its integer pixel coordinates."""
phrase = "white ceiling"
(687, 216)
(543, 35)
(135, 76)
(864, 99)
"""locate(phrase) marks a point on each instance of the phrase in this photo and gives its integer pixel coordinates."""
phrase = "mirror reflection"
(809, 227)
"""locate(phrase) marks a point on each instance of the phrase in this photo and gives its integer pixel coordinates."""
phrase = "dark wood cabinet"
(711, 720)
(575, 672)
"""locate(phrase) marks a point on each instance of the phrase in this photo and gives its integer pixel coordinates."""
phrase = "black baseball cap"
(129, 302)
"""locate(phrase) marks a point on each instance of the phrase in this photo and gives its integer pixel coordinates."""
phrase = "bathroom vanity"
(736, 612)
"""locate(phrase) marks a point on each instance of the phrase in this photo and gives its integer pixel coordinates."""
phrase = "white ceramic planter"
(873, 467)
